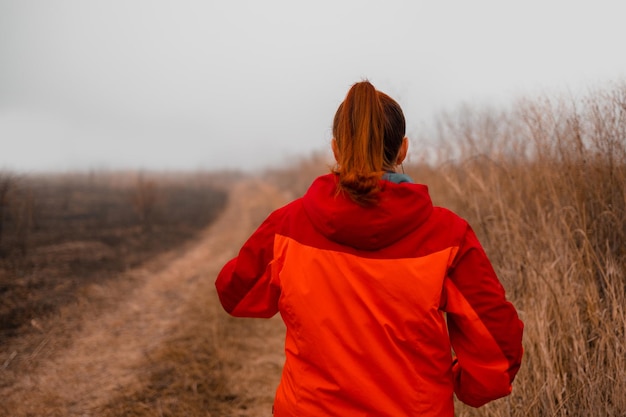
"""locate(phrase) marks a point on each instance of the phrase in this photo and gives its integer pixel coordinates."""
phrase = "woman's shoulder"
(448, 219)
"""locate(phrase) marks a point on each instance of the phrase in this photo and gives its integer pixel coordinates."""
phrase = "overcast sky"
(183, 84)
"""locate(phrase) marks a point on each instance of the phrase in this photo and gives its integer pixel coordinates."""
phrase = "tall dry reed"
(544, 185)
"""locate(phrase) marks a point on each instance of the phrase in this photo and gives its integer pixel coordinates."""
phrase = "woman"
(390, 304)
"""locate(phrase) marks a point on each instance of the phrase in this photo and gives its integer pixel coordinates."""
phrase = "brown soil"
(153, 341)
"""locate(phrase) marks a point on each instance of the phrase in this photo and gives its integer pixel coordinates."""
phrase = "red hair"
(368, 128)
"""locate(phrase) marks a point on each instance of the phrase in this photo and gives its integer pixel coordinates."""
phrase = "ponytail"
(368, 129)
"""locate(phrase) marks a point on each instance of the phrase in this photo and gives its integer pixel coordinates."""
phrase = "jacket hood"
(401, 209)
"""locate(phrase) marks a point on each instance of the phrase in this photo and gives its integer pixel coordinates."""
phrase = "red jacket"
(374, 301)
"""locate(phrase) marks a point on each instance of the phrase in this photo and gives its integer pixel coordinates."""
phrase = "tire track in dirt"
(166, 347)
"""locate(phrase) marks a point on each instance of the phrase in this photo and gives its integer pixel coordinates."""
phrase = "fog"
(180, 85)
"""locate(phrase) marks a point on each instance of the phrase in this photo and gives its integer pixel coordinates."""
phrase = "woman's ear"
(404, 148)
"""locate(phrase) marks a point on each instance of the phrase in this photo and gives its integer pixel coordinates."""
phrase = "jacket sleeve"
(244, 285)
(485, 331)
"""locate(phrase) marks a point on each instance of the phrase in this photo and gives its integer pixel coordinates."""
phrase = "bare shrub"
(17, 216)
(144, 201)
(6, 185)
(22, 211)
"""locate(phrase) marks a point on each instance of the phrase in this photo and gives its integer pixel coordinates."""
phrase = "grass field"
(543, 183)
(544, 186)
(60, 233)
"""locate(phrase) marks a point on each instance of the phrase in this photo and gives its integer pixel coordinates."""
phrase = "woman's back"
(365, 333)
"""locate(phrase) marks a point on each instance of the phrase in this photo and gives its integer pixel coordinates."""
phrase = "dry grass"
(544, 185)
(295, 179)
(59, 233)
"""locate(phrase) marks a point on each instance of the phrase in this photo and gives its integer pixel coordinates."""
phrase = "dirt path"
(161, 345)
